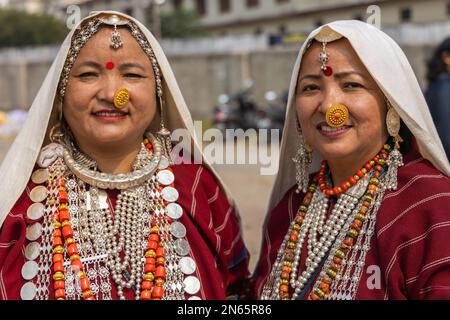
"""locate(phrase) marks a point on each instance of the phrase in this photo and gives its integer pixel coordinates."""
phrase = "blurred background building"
(223, 17)
(215, 47)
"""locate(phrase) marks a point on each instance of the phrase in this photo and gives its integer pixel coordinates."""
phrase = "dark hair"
(436, 65)
(406, 135)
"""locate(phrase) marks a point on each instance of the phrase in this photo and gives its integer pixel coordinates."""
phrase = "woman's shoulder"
(420, 185)
(421, 200)
(285, 210)
(420, 173)
(31, 191)
(197, 181)
(194, 173)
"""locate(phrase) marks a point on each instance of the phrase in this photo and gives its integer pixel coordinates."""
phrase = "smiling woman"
(100, 129)
(365, 216)
(349, 145)
(109, 212)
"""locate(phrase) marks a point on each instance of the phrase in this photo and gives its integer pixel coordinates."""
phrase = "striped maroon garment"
(213, 231)
(410, 250)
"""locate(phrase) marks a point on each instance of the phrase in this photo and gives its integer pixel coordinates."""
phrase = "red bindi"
(328, 71)
(109, 65)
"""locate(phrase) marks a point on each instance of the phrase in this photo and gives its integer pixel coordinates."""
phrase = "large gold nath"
(336, 115)
(121, 98)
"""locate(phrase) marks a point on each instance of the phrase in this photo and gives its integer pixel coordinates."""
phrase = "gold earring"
(392, 121)
(395, 159)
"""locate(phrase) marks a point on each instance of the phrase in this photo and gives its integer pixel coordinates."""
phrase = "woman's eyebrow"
(343, 74)
(310, 76)
(90, 63)
(131, 65)
(338, 75)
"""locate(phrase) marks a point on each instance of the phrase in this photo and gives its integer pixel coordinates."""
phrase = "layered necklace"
(337, 246)
(141, 245)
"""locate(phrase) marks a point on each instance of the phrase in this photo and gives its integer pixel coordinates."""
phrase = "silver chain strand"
(46, 249)
(322, 238)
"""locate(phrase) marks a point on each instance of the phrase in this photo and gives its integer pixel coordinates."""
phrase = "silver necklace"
(320, 238)
(119, 181)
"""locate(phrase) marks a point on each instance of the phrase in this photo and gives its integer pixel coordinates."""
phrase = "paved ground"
(251, 192)
(249, 188)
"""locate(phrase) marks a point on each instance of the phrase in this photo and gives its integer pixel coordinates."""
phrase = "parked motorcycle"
(236, 111)
(273, 115)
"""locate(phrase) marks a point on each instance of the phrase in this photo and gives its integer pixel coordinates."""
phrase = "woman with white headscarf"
(109, 211)
(360, 206)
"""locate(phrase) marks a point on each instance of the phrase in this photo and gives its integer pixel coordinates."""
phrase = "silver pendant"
(28, 291)
(191, 285)
(187, 265)
(40, 176)
(358, 190)
(34, 231)
(174, 211)
(30, 270)
(38, 194)
(182, 247)
(170, 194)
(178, 230)
(36, 211)
(163, 163)
(102, 199)
(165, 177)
(32, 251)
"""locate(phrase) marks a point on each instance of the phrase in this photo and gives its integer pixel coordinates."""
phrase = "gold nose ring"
(337, 115)
(121, 98)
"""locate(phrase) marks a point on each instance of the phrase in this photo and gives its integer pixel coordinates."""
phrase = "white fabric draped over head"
(18, 164)
(390, 68)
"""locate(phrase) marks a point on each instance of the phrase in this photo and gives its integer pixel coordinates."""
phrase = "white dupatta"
(389, 67)
(18, 164)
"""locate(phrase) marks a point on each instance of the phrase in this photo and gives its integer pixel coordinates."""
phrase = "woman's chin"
(336, 150)
(109, 139)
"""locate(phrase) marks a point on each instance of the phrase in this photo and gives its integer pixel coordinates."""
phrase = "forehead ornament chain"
(325, 36)
(114, 20)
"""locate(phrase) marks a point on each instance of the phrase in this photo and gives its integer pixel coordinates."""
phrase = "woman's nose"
(330, 97)
(108, 89)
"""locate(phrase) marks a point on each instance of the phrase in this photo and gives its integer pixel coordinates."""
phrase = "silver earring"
(395, 159)
(302, 160)
(163, 135)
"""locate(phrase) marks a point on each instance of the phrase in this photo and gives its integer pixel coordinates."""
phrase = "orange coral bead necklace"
(152, 276)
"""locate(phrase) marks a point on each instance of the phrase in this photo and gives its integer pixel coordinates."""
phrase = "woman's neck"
(113, 159)
(342, 169)
(341, 172)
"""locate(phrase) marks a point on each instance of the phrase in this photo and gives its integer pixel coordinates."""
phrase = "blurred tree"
(20, 29)
(180, 23)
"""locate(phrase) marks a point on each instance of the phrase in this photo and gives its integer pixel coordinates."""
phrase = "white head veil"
(18, 164)
(391, 70)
